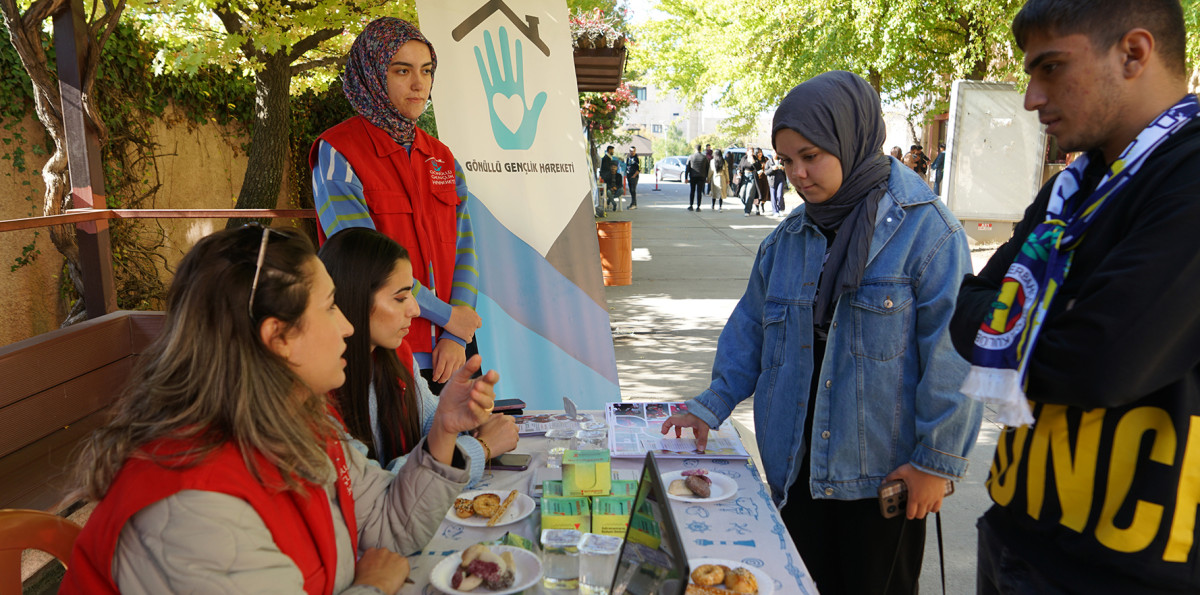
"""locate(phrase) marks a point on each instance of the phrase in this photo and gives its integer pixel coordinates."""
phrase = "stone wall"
(199, 166)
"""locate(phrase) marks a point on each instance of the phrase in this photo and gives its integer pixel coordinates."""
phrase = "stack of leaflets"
(635, 428)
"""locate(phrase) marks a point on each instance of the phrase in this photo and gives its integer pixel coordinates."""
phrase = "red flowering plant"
(602, 112)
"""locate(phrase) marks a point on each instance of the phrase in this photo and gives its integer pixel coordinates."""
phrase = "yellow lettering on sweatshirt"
(1074, 473)
(1002, 482)
(1187, 499)
(1126, 452)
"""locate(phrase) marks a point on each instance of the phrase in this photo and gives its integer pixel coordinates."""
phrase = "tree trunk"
(269, 139)
(875, 78)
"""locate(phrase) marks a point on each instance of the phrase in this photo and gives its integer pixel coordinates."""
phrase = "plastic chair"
(31, 529)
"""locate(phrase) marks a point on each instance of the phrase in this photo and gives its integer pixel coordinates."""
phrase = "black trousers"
(850, 548)
(696, 192)
(632, 183)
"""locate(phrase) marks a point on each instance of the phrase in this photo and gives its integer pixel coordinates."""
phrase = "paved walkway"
(689, 270)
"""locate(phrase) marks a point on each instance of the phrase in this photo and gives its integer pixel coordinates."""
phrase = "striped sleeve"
(463, 291)
(337, 192)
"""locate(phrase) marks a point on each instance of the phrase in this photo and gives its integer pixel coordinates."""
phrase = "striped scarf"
(365, 79)
(1009, 333)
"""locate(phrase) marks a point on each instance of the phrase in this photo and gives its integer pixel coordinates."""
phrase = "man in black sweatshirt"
(697, 173)
(1090, 312)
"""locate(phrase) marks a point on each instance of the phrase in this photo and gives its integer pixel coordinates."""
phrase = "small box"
(586, 473)
(513, 539)
(644, 530)
(552, 488)
(610, 514)
(566, 513)
(623, 487)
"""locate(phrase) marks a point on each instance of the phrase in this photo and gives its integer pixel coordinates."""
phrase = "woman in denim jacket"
(842, 338)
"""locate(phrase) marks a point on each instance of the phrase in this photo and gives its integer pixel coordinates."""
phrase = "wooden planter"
(599, 69)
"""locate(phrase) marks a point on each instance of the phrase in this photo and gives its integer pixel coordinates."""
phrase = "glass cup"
(558, 441)
(597, 563)
(591, 440)
(560, 559)
(593, 424)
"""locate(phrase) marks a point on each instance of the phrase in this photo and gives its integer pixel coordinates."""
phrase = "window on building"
(657, 128)
(639, 93)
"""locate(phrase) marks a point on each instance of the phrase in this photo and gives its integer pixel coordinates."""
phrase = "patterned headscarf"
(365, 77)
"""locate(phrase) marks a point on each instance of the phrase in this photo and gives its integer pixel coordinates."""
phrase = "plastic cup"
(560, 559)
(597, 563)
(558, 442)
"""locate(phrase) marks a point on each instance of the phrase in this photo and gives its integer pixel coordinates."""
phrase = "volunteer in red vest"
(379, 170)
(220, 470)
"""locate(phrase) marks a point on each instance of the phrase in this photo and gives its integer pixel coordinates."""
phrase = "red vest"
(301, 524)
(413, 199)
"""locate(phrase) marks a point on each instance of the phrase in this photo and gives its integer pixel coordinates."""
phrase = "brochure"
(635, 428)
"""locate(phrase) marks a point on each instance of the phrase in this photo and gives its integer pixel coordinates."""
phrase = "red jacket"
(413, 199)
(301, 524)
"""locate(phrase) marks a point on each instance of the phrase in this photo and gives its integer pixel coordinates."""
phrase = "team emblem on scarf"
(1009, 333)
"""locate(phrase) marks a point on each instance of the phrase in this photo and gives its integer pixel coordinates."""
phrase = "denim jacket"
(888, 390)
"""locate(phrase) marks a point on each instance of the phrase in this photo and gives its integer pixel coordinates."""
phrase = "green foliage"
(753, 52)
(671, 143)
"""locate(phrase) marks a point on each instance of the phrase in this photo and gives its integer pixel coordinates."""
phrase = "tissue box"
(610, 514)
(623, 487)
(644, 530)
(586, 473)
(552, 488)
(566, 513)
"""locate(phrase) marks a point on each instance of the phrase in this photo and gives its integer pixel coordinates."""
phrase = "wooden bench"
(57, 388)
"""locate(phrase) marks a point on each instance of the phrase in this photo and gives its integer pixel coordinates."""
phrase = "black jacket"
(1095, 494)
(697, 166)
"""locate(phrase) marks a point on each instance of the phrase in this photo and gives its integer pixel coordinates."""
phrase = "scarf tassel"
(1001, 389)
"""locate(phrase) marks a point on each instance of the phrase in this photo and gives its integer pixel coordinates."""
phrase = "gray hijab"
(839, 112)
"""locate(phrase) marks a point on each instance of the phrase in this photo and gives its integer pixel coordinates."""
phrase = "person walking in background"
(697, 173)
(633, 168)
(708, 157)
(762, 165)
(749, 187)
(379, 170)
(719, 172)
(897, 153)
(841, 338)
(1084, 324)
(778, 180)
(938, 166)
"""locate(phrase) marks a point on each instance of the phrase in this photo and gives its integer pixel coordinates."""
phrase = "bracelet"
(487, 452)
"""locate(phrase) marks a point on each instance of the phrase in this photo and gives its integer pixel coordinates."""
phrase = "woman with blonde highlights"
(221, 469)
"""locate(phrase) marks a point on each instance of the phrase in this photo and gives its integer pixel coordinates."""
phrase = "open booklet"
(635, 428)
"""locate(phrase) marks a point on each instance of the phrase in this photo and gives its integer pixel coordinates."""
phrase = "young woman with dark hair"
(382, 403)
(221, 469)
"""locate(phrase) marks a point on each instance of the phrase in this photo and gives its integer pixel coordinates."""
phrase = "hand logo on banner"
(514, 125)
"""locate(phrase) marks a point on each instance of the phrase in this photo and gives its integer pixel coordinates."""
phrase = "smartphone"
(893, 497)
(511, 461)
(508, 406)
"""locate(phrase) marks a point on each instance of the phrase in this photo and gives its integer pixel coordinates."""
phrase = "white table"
(746, 529)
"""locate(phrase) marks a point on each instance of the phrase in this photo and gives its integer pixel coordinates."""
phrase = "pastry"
(462, 508)
(503, 507)
(485, 505)
(740, 580)
(708, 575)
(678, 488)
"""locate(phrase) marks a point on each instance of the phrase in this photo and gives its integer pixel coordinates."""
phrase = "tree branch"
(311, 42)
(318, 63)
(235, 26)
(38, 12)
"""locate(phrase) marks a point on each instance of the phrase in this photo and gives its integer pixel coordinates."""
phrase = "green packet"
(513, 539)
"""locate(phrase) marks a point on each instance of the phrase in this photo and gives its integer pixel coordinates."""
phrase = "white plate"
(723, 487)
(520, 508)
(527, 572)
(766, 584)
